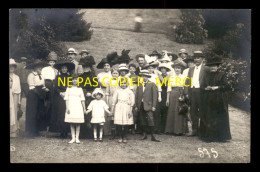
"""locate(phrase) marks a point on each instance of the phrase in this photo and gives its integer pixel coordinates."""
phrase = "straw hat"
(182, 51)
(97, 90)
(165, 65)
(84, 51)
(72, 51)
(198, 54)
(12, 63)
(182, 64)
(122, 67)
(52, 56)
(145, 73)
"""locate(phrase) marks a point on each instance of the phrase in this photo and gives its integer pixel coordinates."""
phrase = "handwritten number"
(215, 153)
(201, 152)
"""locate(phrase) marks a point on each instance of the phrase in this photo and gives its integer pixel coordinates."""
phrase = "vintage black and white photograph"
(129, 85)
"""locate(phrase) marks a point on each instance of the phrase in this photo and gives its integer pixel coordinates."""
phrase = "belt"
(125, 102)
(49, 80)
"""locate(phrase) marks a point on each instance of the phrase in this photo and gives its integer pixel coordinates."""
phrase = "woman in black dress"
(88, 85)
(35, 111)
(214, 122)
(59, 104)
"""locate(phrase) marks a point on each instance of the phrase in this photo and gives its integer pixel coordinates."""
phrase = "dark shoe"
(155, 140)
(112, 138)
(95, 140)
(144, 137)
(100, 140)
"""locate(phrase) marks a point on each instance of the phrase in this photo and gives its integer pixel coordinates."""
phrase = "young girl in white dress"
(98, 108)
(123, 102)
(75, 108)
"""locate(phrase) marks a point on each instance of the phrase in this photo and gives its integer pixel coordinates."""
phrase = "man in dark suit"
(194, 92)
(140, 58)
(145, 103)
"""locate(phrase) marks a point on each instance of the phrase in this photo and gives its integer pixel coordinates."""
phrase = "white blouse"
(49, 73)
(172, 82)
(34, 80)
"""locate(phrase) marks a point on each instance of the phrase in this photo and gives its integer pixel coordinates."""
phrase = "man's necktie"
(40, 76)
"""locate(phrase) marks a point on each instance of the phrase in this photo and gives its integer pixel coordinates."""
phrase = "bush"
(190, 30)
(235, 44)
(219, 22)
(34, 33)
(238, 75)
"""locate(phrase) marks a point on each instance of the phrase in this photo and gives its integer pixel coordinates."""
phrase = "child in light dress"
(75, 108)
(109, 96)
(98, 108)
(122, 106)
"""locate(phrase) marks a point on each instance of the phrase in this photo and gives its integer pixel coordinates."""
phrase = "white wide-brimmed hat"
(97, 90)
(165, 65)
(12, 62)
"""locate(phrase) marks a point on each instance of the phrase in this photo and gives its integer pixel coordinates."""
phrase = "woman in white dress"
(75, 108)
(15, 100)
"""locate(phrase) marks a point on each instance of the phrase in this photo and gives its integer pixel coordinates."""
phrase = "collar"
(35, 73)
(199, 67)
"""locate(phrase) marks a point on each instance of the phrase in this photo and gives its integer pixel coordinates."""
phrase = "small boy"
(145, 103)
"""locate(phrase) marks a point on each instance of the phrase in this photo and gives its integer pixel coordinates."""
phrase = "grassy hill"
(112, 31)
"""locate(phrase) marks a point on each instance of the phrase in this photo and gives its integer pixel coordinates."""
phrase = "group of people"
(91, 111)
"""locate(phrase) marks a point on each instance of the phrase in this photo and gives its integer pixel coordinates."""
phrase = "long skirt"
(49, 101)
(174, 122)
(14, 125)
(58, 115)
(35, 112)
(215, 117)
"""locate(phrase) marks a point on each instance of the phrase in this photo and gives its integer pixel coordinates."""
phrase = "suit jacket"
(149, 96)
(203, 70)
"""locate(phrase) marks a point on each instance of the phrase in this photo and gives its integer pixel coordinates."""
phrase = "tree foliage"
(34, 33)
(190, 30)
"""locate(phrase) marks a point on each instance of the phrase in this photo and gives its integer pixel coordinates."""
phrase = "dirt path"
(171, 149)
